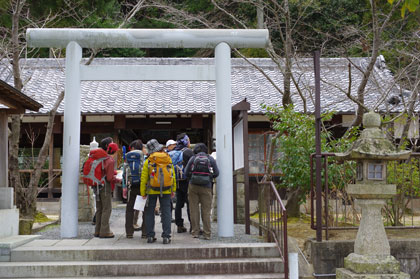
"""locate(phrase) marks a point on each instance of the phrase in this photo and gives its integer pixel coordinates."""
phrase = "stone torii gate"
(76, 39)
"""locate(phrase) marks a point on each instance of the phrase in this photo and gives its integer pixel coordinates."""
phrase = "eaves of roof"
(14, 100)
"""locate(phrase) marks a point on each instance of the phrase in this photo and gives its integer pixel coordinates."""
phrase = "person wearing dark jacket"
(182, 144)
(134, 187)
(201, 169)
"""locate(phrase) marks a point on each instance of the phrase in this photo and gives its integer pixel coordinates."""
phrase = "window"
(256, 153)
(375, 171)
(259, 146)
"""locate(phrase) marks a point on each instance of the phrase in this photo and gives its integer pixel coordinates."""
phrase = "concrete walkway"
(49, 256)
(50, 236)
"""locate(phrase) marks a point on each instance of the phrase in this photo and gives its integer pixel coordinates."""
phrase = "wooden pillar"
(4, 178)
(246, 171)
(51, 167)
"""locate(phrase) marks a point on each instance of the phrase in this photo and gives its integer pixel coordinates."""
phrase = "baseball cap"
(170, 142)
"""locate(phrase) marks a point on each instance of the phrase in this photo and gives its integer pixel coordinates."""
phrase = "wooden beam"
(13, 111)
(50, 167)
(4, 166)
(13, 98)
(242, 105)
(7, 101)
(197, 121)
(119, 121)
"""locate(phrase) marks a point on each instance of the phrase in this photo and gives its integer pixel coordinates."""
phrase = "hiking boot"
(107, 235)
(181, 229)
(151, 239)
(166, 240)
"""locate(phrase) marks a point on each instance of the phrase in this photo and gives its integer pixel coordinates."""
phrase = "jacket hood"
(136, 151)
(98, 153)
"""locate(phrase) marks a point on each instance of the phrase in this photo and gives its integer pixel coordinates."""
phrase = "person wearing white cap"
(170, 145)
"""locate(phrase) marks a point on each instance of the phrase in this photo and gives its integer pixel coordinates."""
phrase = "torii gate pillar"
(224, 140)
(76, 39)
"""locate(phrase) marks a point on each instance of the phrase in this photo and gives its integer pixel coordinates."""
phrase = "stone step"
(140, 268)
(201, 276)
(151, 252)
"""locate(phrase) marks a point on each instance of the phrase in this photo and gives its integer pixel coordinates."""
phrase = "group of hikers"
(154, 172)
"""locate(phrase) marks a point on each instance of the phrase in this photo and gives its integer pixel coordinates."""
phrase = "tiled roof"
(44, 80)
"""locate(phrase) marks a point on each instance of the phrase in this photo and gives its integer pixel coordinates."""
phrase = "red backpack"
(94, 171)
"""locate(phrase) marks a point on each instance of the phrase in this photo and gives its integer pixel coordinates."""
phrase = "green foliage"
(410, 5)
(296, 142)
(406, 176)
(254, 52)
(330, 23)
(40, 217)
(195, 6)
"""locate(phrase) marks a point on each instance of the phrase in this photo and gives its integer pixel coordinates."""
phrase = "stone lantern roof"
(373, 143)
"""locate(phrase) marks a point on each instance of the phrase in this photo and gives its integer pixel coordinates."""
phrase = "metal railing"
(339, 211)
(273, 220)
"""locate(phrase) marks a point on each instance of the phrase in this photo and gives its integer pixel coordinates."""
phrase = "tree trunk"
(287, 99)
(15, 125)
(292, 205)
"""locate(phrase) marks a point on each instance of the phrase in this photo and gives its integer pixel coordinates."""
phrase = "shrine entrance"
(76, 39)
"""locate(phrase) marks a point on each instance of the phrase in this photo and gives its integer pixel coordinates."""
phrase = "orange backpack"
(160, 171)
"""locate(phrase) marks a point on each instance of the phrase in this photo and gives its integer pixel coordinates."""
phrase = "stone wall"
(86, 199)
(240, 196)
(326, 256)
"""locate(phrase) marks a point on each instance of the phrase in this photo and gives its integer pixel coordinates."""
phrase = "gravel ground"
(86, 230)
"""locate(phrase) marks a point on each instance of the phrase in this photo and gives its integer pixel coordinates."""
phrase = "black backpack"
(201, 170)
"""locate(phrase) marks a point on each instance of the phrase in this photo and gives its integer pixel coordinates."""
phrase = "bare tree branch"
(260, 70)
(42, 156)
(229, 14)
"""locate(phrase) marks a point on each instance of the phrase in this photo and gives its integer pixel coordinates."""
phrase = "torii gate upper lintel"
(76, 39)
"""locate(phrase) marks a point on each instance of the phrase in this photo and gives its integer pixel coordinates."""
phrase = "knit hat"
(112, 148)
(153, 146)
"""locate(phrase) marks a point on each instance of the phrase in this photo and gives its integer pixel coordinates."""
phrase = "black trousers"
(181, 200)
(129, 211)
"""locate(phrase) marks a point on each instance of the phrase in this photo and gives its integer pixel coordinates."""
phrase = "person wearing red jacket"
(104, 192)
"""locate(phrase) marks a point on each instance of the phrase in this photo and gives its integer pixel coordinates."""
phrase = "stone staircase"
(241, 260)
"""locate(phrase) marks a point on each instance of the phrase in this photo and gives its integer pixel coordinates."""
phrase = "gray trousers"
(103, 209)
(200, 195)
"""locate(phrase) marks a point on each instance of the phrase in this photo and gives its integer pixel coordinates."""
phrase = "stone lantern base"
(343, 273)
(372, 264)
(370, 267)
